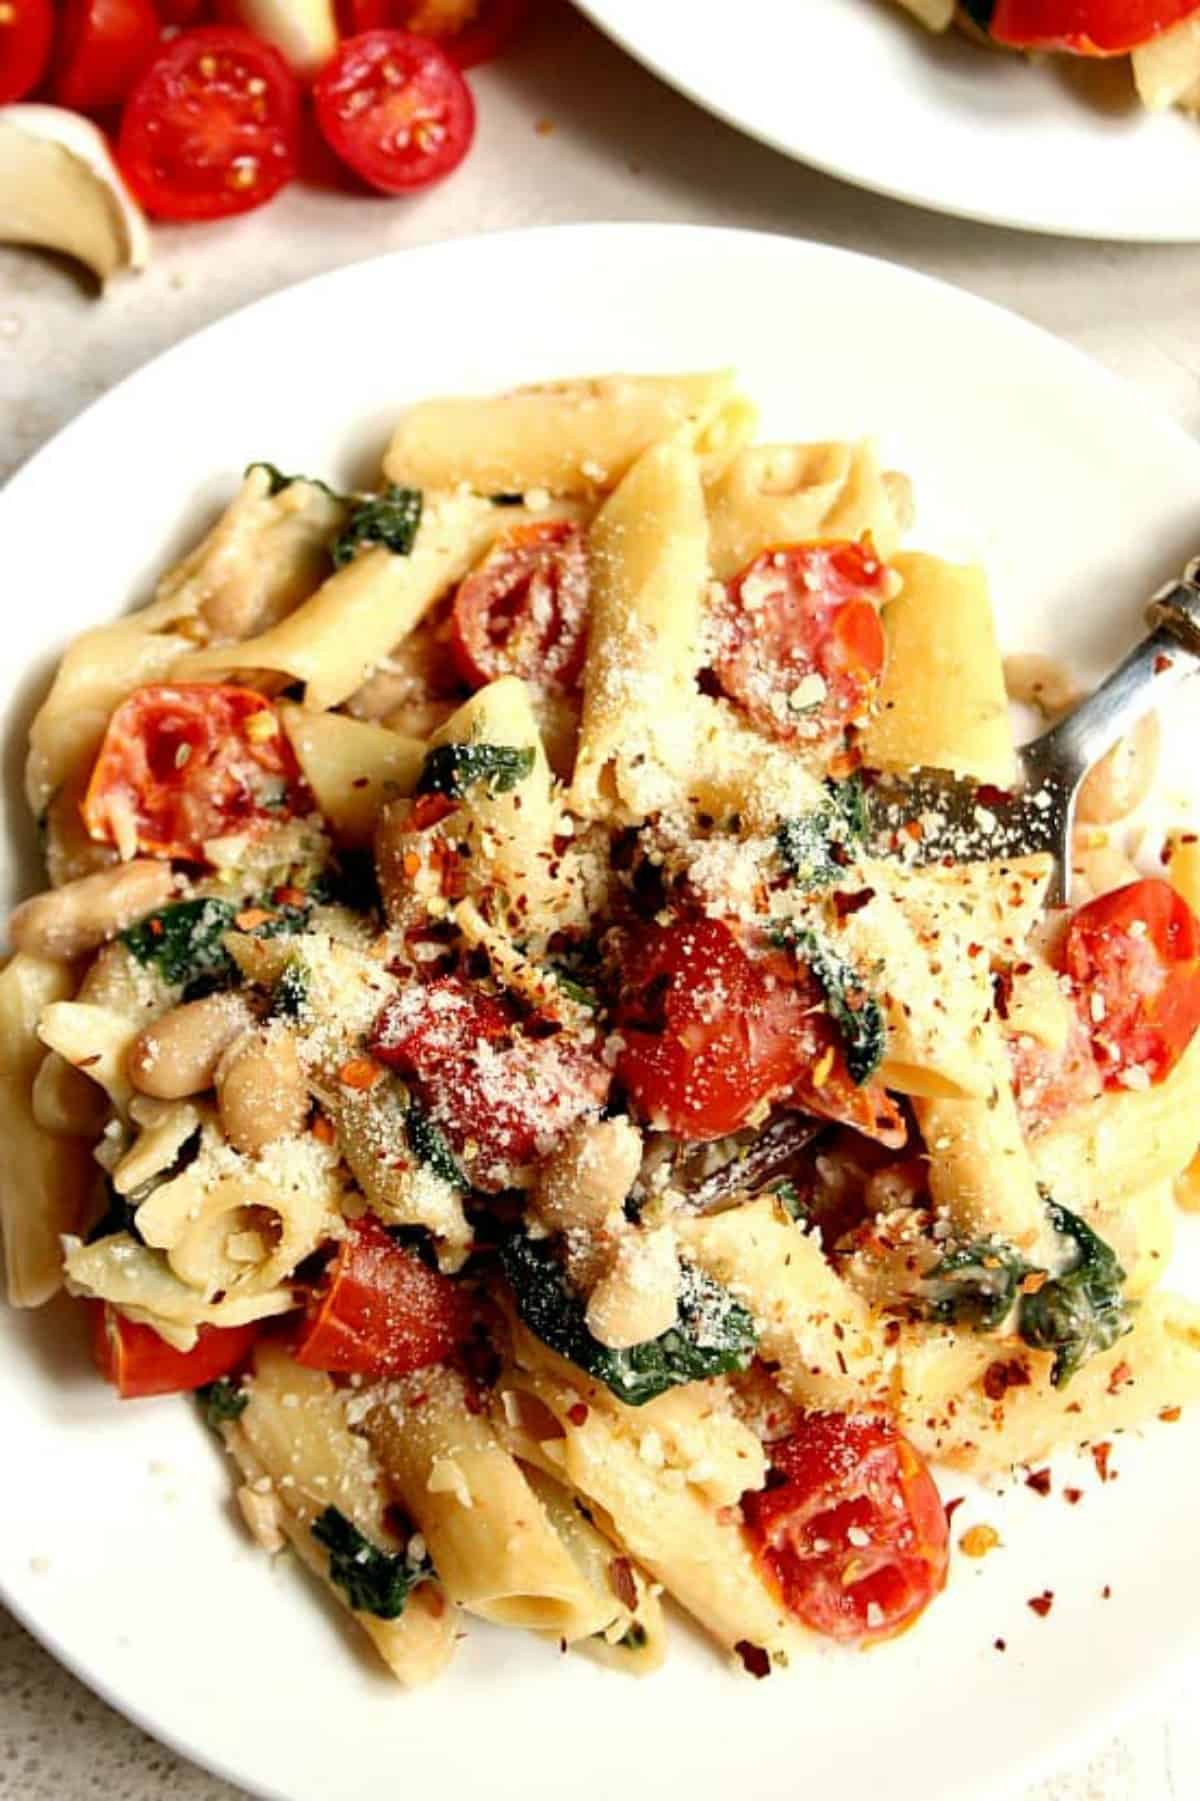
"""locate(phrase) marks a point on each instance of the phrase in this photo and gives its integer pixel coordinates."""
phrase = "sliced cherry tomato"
(799, 640)
(26, 34)
(185, 763)
(182, 12)
(502, 1098)
(395, 109)
(380, 1311)
(1134, 957)
(103, 46)
(1049, 1083)
(1087, 27)
(212, 127)
(357, 16)
(138, 1362)
(711, 1034)
(524, 609)
(850, 1530)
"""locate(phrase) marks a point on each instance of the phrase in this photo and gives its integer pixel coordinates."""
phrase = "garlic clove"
(60, 189)
(304, 32)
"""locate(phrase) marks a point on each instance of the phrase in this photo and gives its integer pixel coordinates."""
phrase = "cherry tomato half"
(710, 1034)
(1051, 1082)
(1087, 27)
(212, 127)
(380, 1311)
(395, 109)
(524, 609)
(1134, 957)
(850, 1530)
(501, 1097)
(185, 763)
(137, 1362)
(182, 12)
(799, 641)
(103, 46)
(26, 33)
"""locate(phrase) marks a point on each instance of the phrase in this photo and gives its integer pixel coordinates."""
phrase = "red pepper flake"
(1073, 1496)
(1038, 1481)
(289, 897)
(360, 1073)
(1000, 1376)
(844, 904)
(322, 1129)
(1106, 1593)
(577, 1413)
(360, 781)
(754, 1658)
(1036, 1279)
(1100, 1455)
(251, 918)
(999, 1644)
(429, 810)
(411, 864)
(1041, 1604)
(729, 1516)
(974, 950)
(155, 926)
(912, 828)
(620, 1580)
(1169, 1414)
(1119, 1376)
(1162, 663)
(953, 1506)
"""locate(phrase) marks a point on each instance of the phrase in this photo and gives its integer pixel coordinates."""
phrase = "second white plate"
(858, 89)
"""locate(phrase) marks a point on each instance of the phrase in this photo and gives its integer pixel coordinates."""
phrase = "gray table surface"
(570, 129)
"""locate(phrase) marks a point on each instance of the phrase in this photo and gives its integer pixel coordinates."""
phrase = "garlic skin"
(61, 190)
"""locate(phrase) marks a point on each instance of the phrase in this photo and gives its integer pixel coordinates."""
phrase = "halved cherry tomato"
(103, 46)
(395, 109)
(212, 127)
(380, 1311)
(1134, 957)
(850, 1530)
(501, 1097)
(1050, 1082)
(357, 16)
(26, 33)
(711, 1034)
(1087, 27)
(524, 609)
(138, 1362)
(799, 641)
(184, 763)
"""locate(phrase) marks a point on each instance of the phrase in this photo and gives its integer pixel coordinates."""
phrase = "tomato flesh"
(381, 1311)
(212, 127)
(26, 35)
(501, 1097)
(103, 47)
(1134, 959)
(1086, 27)
(1050, 1083)
(186, 763)
(850, 1531)
(395, 109)
(800, 645)
(710, 1034)
(524, 609)
(138, 1363)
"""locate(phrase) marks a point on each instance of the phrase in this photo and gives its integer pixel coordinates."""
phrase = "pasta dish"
(478, 1038)
(1160, 37)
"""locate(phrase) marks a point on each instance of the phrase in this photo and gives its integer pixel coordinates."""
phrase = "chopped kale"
(183, 942)
(712, 1334)
(349, 881)
(222, 1401)
(290, 998)
(1081, 1312)
(279, 481)
(976, 1285)
(815, 848)
(428, 1146)
(391, 519)
(856, 1014)
(373, 1581)
(453, 768)
(791, 1200)
(579, 992)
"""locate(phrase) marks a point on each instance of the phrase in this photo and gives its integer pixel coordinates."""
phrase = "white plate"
(859, 89)
(119, 1546)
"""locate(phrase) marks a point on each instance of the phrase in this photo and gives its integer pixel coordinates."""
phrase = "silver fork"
(970, 822)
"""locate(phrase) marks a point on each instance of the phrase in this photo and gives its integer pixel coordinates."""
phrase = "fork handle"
(1164, 659)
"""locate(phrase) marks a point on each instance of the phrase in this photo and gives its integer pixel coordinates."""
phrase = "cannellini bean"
(637, 1297)
(66, 922)
(65, 1101)
(67, 847)
(178, 1054)
(1121, 780)
(1041, 682)
(582, 1185)
(261, 1091)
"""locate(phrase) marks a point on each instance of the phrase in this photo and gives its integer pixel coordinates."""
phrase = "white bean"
(66, 922)
(1121, 781)
(637, 1297)
(261, 1091)
(582, 1185)
(177, 1055)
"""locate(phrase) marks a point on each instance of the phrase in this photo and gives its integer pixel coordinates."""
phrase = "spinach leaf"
(184, 940)
(428, 1146)
(712, 1334)
(815, 848)
(222, 1401)
(373, 1581)
(391, 519)
(856, 1014)
(975, 1285)
(279, 481)
(790, 1199)
(290, 999)
(453, 768)
(1079, 1313)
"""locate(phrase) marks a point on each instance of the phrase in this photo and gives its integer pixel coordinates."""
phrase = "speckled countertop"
(569, 129)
